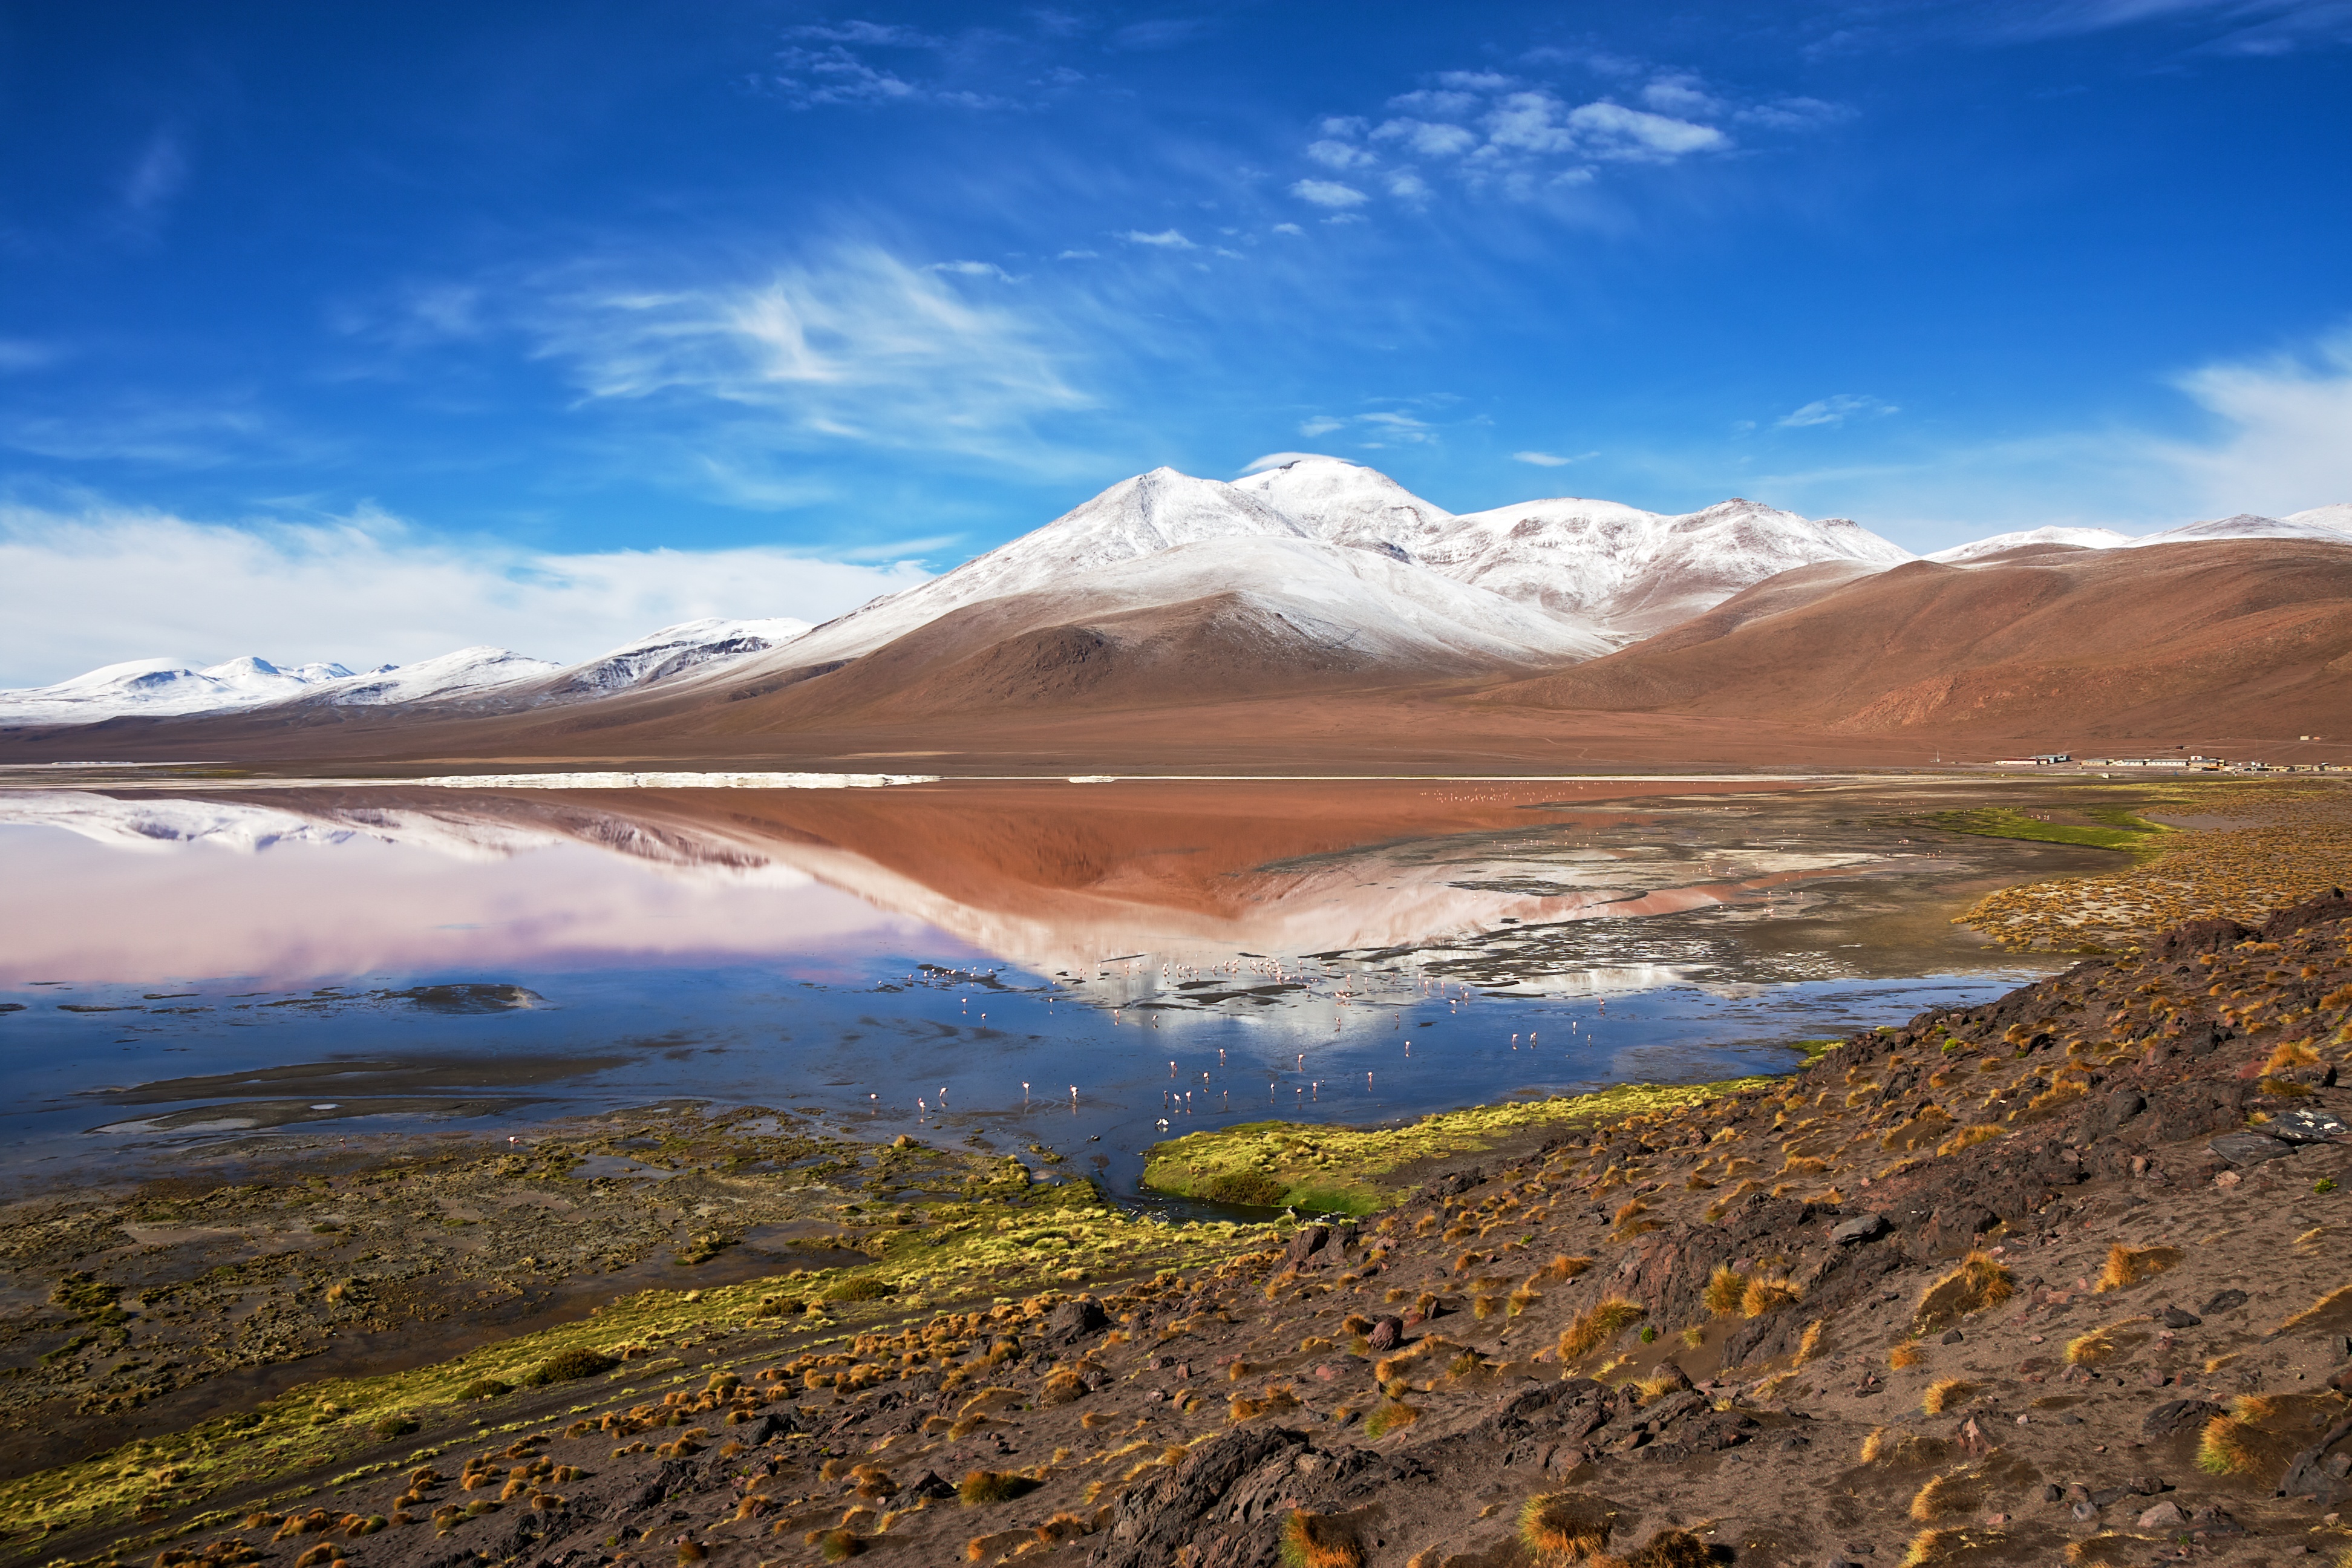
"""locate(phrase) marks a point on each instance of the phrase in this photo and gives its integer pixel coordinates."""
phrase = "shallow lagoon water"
(189, 968)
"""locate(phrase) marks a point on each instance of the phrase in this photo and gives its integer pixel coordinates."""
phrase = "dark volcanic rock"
(2197, 936)
(2249, 1148)
(1074, 1320)
(2114, 1110)
(2306, 1124)
(1861, 1228)
(2317, 912)
(1388, 1333)
(2179, 1415)
(1154, 1521)
(1308, 1241)
(2223, 1303)
(2180, 1318)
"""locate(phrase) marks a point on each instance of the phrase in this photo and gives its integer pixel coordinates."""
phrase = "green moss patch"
(2108, 827)
(1360, 1170)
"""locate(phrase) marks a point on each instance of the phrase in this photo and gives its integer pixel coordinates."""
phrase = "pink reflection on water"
(81, 911)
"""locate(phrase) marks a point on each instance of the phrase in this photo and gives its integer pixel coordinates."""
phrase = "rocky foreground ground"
(2061, 1278)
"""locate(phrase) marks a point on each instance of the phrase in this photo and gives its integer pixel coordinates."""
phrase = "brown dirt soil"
(2111, 642)
(2059, 1278)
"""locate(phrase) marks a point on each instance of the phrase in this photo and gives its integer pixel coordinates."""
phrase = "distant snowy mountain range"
(1314, 553)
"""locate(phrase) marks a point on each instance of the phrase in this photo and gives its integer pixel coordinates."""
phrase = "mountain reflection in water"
(860, 951)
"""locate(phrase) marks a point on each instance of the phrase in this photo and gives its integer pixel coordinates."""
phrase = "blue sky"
(357, 332)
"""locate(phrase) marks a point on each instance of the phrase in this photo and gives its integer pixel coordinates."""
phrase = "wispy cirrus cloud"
(852, 346)
(1834, 410)
(2230, 26)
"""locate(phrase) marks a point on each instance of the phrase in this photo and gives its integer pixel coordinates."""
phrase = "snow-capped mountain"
(163, 686)
(2338, 516)
(674, 650)
(1635, 573)
(2247, 525)
(1583, 575)
(1144, 516)
(160, 688)
(2079, 538)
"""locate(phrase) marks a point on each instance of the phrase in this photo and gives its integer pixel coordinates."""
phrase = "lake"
(1065, 969)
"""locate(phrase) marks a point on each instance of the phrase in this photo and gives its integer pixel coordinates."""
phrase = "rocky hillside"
(2061, 1279)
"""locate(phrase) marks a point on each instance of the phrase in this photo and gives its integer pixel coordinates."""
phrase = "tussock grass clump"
(981, 1488)
(1392, 1416)
(1672, 1549)
(1810, 1341)
(2291, 1054)
(1315, 1541)
(2336, 1303)
(1980, 1281)
(1944, 1392)
(1724, 1288)
(838, 1546)
(1762, 1296)
(1941, 1545)
(2128, 1266)
(2224, 1448)
(1906, 1354)
(1968, 1138)
(1598, 1325)
(1566, 1526)
(1945, 1496)
(2089, 1350)
(1563, 1268)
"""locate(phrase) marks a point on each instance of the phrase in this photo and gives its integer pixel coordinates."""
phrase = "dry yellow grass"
(2128, 1266)
(1945, 1496)
(1932, 1548)
(1315, 1540)
(1981, 1280)
(2337, 1300)
(2089, 1350)
(1762, 1296)
(1944, 1392)
(1566, 1526)
(1598, 1325)
(1724, 1288)
(2223, 1448)
(1904, 1355)
(1562, 1267)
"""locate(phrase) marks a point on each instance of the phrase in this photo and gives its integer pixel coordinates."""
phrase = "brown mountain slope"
(2091, 642)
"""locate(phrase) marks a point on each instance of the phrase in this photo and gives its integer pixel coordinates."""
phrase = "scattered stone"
(2180, 1318)
(2306, 1124)
(1951, 1337)
(2249, 1148)
(2175, 1415)
(1388, 1333)
(1308, 1241)
(1860, 1228)
(2163, 1516)
(2223, 1303)
(1074, 1320)
(2085, 1510)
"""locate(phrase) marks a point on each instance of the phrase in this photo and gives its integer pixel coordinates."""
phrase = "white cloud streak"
(1834, 410)
(853, 346)
(2285, 442)
(104, 583)
(1328, 193)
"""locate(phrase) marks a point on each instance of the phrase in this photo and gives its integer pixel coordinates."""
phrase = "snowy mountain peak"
(2338, 516)
(1346, 503)
(672, 650)
(2080, 538)
(2247, 525)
